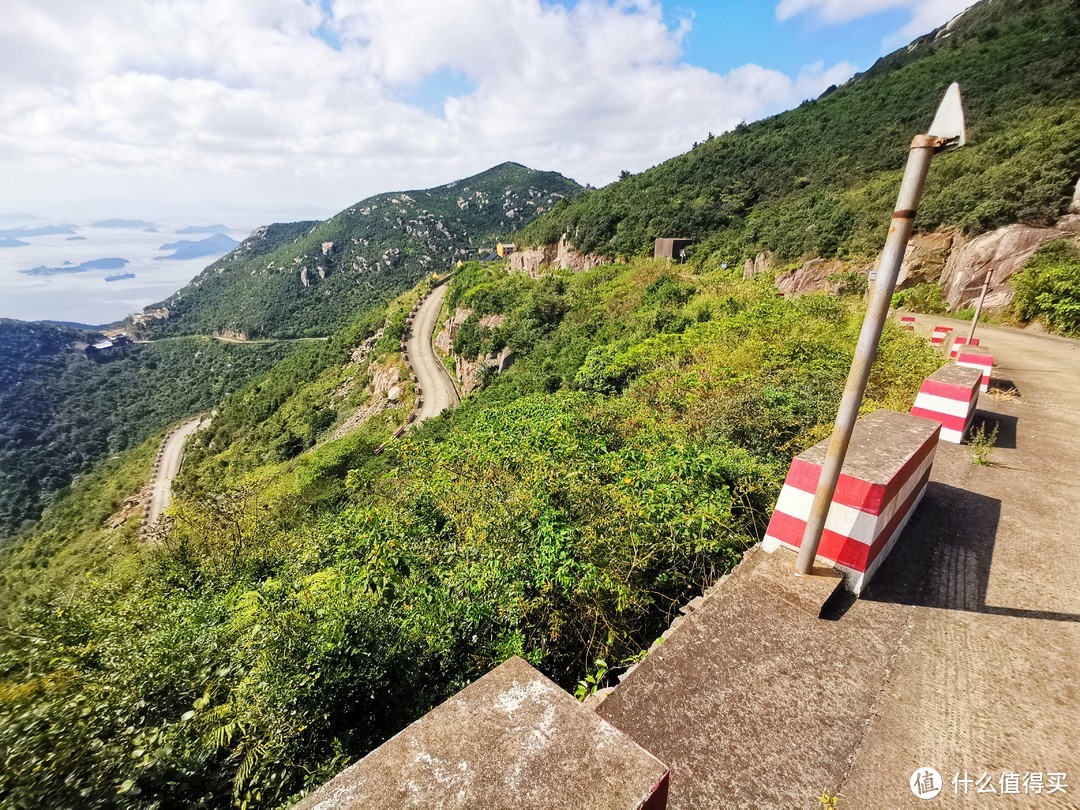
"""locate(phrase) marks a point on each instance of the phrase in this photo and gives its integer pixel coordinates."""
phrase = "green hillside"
(821, 179)
(282, 282)
(310, 598)
(61, 412)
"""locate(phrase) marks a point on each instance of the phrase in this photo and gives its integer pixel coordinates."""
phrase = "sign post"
(946, 133)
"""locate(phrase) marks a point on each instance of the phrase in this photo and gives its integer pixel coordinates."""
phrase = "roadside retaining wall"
(949, 395)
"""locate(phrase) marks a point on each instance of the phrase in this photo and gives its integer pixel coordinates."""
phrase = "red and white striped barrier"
(907, 322)
(959, 341)
(940, 335)
(883, 479)
(980, 358)
(949, 395)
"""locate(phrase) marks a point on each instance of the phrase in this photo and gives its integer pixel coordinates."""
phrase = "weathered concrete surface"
(438, 387)
(512, 739)
(754, 701)
(989, 680)
(961, 655)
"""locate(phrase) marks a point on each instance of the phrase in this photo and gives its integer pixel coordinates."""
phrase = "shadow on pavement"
(942, 560)
(1006, 425)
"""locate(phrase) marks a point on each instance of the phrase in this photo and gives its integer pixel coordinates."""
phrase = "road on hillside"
(172, 455)
(439, 389)
(987, 680)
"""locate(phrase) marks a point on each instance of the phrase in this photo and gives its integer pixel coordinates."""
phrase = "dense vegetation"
(1048, 288)
(821, 179)
(304, 604)
(312, 278)
(63, 412)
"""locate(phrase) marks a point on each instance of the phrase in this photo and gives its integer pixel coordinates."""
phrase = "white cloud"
(926, 15)
(119, 106)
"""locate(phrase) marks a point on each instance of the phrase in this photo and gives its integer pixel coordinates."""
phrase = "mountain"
(43, 230)
(195, 249)
(10, 243)
(820, 180)
(311, 278)
(203, 229)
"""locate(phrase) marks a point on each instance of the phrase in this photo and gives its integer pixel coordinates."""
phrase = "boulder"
(811, 277)
(1003, 251)
(760, 264)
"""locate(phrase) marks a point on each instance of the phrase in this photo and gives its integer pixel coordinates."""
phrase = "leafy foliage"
(294, 614)
(927, 298)
(1048, 288)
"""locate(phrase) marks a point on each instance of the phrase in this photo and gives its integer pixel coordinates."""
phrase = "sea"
(89, 297)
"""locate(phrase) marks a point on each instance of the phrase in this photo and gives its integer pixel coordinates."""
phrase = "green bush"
(925, 298)
(1048, 288)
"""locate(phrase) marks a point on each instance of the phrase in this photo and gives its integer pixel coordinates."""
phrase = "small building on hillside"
(673, 248)
(504, 249)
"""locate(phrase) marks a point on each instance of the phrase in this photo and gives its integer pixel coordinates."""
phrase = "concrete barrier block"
(940, 335)
(512, 739)
(908, 322)
(959, 341)
(979, 358)
(883, 479)
(949, 395)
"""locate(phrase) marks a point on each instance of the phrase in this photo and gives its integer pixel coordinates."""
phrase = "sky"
(270, 110)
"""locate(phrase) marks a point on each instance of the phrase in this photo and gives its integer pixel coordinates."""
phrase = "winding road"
(438, 387)
(170, 458)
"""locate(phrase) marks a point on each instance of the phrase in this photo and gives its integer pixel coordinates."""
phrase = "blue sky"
(299, 108)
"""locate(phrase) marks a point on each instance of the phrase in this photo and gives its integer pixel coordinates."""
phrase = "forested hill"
(821, 179)
(311, 278)
(62, 412)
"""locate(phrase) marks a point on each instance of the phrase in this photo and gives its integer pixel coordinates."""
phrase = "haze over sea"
(86, 297)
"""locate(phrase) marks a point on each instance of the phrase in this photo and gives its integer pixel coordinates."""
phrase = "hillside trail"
(988, 681)
(171, 457)
(439, 389)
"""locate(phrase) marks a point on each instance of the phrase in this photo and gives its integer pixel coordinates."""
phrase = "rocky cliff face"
(957, 262)
(468, 370)
(563, 256)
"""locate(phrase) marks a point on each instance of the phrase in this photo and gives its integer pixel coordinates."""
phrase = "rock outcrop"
(563, 256)
(468, 371)
(761, 263)
(1003, 251)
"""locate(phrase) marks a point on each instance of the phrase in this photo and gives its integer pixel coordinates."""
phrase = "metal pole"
(907, 203)
(978, 308)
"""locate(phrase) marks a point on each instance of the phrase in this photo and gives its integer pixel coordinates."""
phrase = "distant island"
(44, 230)
(12, 243)
(76, 239)
(215, 245)
(121, 223)
(150, 230)
(119, 276)
(204, 229)
(93, 264)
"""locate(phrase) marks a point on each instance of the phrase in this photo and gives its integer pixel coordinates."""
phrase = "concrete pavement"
(439, 390)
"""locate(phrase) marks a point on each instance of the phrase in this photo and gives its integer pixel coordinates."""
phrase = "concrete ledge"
(949, 395)
(958, 342)
(978, 358)
(512, 739)
(940, 335)
(883, 479)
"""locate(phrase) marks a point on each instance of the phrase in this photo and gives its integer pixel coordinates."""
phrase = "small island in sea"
(119, 276)
(68, 267)
(215, 245)
(6, 243)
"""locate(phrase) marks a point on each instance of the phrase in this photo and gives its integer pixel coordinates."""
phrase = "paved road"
(988, 680)
(439, 390)
(171, 457)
